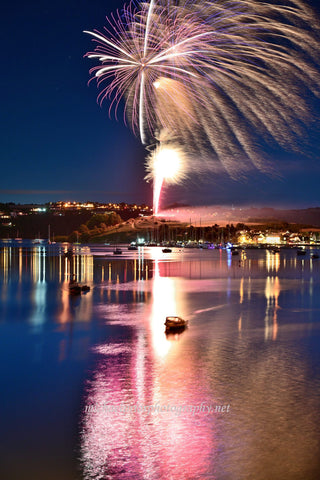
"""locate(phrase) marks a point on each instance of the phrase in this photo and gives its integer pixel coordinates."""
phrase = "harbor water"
(93, 388)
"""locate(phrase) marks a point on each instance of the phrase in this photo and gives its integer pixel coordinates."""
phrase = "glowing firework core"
(166, 165)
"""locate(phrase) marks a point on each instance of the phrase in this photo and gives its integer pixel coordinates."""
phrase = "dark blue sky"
(57, 143)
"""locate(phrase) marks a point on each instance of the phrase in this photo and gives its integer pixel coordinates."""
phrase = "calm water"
(92, 388)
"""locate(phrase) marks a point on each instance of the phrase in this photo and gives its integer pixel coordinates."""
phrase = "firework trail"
(209, 77)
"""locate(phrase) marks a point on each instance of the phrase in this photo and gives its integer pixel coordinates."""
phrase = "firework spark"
(212, 75)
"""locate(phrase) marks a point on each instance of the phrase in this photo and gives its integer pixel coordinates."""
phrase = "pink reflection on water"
(163, 305)
(153, 371)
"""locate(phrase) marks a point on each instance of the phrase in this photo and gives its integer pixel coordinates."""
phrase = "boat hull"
(175, 324)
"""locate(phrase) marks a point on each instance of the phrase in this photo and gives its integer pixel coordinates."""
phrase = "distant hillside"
(309, 216)
(222, 215)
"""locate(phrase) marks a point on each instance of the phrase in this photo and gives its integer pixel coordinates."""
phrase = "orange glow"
(272, 292)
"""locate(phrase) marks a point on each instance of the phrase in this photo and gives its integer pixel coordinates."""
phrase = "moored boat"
(74, 289)
(69, 254)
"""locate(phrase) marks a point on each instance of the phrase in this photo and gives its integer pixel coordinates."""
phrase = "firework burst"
(210, 75)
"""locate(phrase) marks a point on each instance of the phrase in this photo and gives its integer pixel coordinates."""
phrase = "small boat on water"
(174, 324)
(234, 252)
(315, 255)
(166, 250)
(76, 289)
(300, 251)
(132, 247)
(117, 251)
(69, 254)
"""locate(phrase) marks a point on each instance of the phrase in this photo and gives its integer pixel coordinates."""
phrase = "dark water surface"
(92, 388)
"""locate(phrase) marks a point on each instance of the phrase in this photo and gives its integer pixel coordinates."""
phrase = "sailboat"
(77, 242)
(49, 236)
(37, 241)
(17, 237)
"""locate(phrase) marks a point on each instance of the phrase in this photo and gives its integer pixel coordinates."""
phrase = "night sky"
(58, 144)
